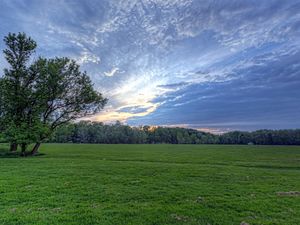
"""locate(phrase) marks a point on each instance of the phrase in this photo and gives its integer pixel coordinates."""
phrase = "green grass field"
(151, 184)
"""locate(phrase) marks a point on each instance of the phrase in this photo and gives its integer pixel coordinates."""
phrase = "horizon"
(218, 66)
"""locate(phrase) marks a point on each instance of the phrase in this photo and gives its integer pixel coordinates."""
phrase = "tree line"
(97, 132)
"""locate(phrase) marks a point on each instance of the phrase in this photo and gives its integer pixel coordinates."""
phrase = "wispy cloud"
(112, 72)
(182, 61)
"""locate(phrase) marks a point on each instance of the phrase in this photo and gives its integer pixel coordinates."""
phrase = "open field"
(152, 184)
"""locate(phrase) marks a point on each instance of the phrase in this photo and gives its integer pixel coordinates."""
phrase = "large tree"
(62, 93)
(38, 97)
(15, 89)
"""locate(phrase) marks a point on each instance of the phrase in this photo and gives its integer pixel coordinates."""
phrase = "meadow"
(151, 185)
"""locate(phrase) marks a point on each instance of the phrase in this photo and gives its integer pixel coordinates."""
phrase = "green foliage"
(38, 97)
(95, 132)
(16, 90)
(152, 184)
(63, 92)
(262, 137)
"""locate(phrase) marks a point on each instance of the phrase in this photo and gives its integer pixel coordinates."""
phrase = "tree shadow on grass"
(5, 153)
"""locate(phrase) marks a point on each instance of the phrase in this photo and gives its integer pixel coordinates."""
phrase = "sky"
(211, 65)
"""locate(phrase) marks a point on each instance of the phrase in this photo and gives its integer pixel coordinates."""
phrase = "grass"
(152, 185)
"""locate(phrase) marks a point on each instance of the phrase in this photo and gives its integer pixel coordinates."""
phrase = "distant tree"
(95, 132)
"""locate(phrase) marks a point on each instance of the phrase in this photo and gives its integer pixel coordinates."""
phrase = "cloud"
(134, 109)
(112, 114)
(112, 72)
(209, 64)
(86, 57)
(265, 96)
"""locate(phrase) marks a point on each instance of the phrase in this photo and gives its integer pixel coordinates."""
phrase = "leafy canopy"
(38, 96)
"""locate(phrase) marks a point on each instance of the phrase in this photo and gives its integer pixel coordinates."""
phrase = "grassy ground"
(152, 184)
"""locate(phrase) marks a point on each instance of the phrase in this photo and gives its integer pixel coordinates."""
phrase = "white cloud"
(112, 72)
(87, 57)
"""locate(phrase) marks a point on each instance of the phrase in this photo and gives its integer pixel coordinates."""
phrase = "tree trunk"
(23, 149)
(35, 148)
(13, 147)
